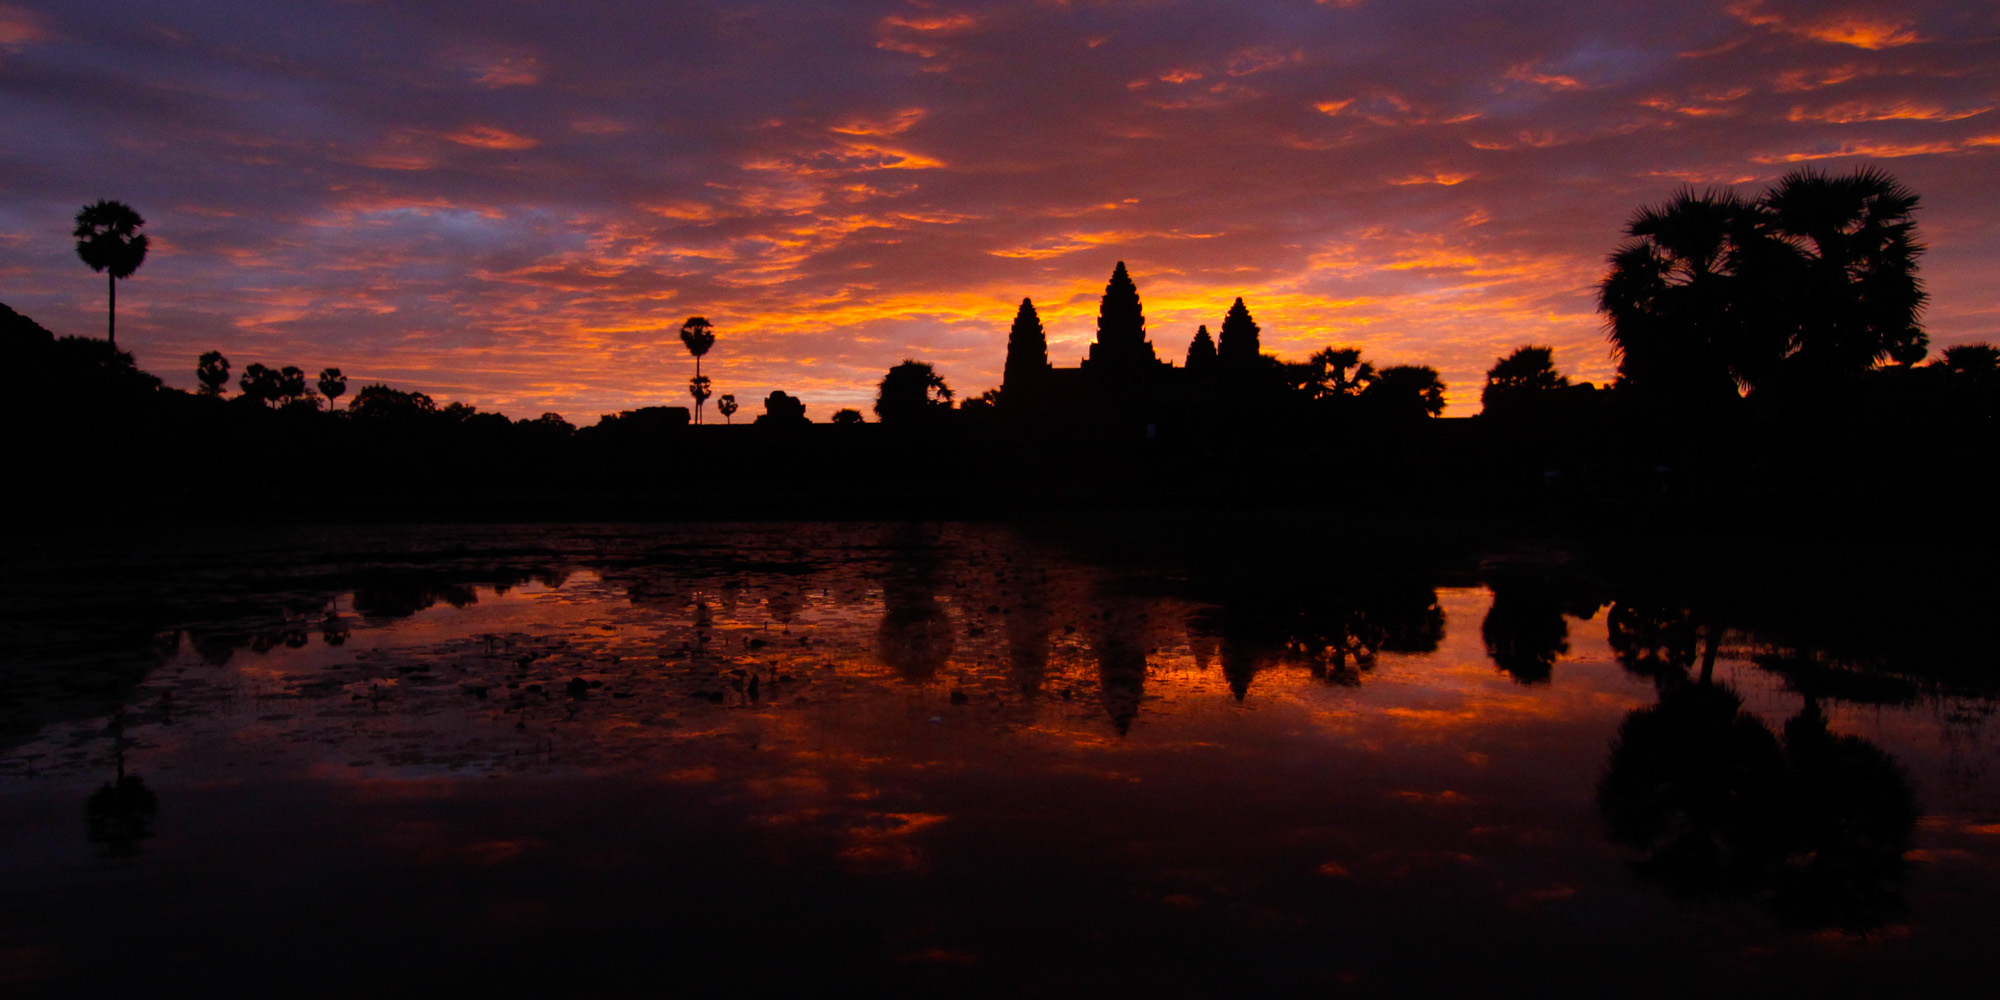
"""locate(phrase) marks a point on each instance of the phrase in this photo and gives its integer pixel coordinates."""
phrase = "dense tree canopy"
(1526, 374)
(782, 409)
(1980, 359)
(212, 371)
(1855, 297)
(910, 392)
(1815, 281)
(1402, 391)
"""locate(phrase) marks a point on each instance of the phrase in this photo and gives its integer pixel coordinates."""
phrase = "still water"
(960, 759)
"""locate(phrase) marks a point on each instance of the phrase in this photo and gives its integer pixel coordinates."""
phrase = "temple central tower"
(1121, 329)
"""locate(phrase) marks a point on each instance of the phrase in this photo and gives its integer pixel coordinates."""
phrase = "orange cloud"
(1057, 246)
(1070, 213)
(488, 137)
(1858, 111)
(1702, 105)
(1446, 179)
(1521, 140)
(845, 158)
(1386, 107)
(1795, 80)
(914, 35)
(895, 124)
(1863, 34)
(932, 24)
(1724, 177)
(1525, 73)
(1859, 30)
(1883, 150)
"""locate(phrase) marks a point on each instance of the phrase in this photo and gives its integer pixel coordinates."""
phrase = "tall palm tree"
(109, 240)
(212, 371)
(1339, 371)
(699, 336)
(332, 383)
(1856, 295)
(1672, 296)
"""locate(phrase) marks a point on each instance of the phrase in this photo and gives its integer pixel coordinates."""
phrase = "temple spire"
(1238, 343)
(1201, 353)
(1027, 349)
(1121, 326)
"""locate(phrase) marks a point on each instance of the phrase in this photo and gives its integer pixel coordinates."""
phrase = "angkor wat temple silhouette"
(1123, 388)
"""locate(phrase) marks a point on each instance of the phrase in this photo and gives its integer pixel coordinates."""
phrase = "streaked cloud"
(1879, 28)
(489, 137)
(1849, 112)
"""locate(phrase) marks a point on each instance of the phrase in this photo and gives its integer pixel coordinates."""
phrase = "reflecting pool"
(956, 758)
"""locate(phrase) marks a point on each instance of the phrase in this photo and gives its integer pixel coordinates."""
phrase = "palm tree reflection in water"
(120, 814)
(1811, 824)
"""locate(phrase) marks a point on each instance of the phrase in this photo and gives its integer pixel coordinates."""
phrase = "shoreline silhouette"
(1769, 380)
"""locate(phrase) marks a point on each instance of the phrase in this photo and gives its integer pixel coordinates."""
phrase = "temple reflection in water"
(998, 715)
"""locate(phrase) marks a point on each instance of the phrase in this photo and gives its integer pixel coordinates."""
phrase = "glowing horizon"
(517, 208)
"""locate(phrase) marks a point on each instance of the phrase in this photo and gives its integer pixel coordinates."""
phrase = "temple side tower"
(1201, 353)
(1027, 353)
(1238, 346)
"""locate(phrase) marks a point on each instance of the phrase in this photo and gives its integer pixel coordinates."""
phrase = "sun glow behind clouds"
(525, 221)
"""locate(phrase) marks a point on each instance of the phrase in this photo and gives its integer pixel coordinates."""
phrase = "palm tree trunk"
(111, 330)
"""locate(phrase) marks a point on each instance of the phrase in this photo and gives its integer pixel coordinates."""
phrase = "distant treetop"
(1523, 374)
(912, 391)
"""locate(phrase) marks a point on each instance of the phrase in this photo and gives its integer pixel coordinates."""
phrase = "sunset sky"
(515, 204)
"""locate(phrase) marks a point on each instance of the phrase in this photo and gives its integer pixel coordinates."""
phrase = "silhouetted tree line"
(1771, 368)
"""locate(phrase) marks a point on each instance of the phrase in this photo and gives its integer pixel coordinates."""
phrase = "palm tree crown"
(1858, 298)
(699, 336)
(1672, 294)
